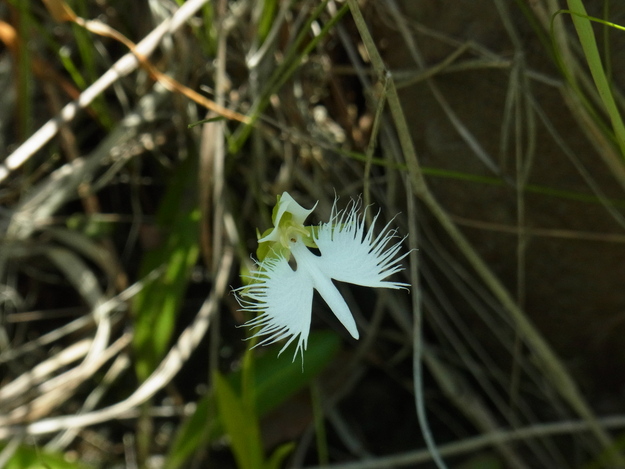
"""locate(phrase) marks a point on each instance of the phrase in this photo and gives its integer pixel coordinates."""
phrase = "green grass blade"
(30, 457)
(71, 68)
(157, 305)
(266, 18)
(277, 457)
(196, 432)
(582, 23)
(276, 380)
(241, 425)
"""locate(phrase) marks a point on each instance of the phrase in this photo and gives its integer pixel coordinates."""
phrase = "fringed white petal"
(352, 254)
(282, 298)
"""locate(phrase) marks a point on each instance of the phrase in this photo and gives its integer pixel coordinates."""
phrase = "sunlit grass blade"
(583, 26)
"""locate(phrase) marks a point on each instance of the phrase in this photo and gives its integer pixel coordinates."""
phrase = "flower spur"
(281, 296)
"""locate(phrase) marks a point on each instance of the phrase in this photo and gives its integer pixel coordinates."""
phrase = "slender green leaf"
(581, 20)
(30, 457)
(267, 18)
(276, 380)
(196, 432)
(157, 305)
(241, 425)
(277, 457)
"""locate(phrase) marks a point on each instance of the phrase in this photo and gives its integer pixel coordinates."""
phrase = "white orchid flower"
(281, 296)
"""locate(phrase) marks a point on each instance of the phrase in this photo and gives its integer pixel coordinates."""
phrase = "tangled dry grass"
(145, 143)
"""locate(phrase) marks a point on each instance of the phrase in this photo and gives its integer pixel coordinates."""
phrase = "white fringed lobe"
(353, 256)
(282, 297)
